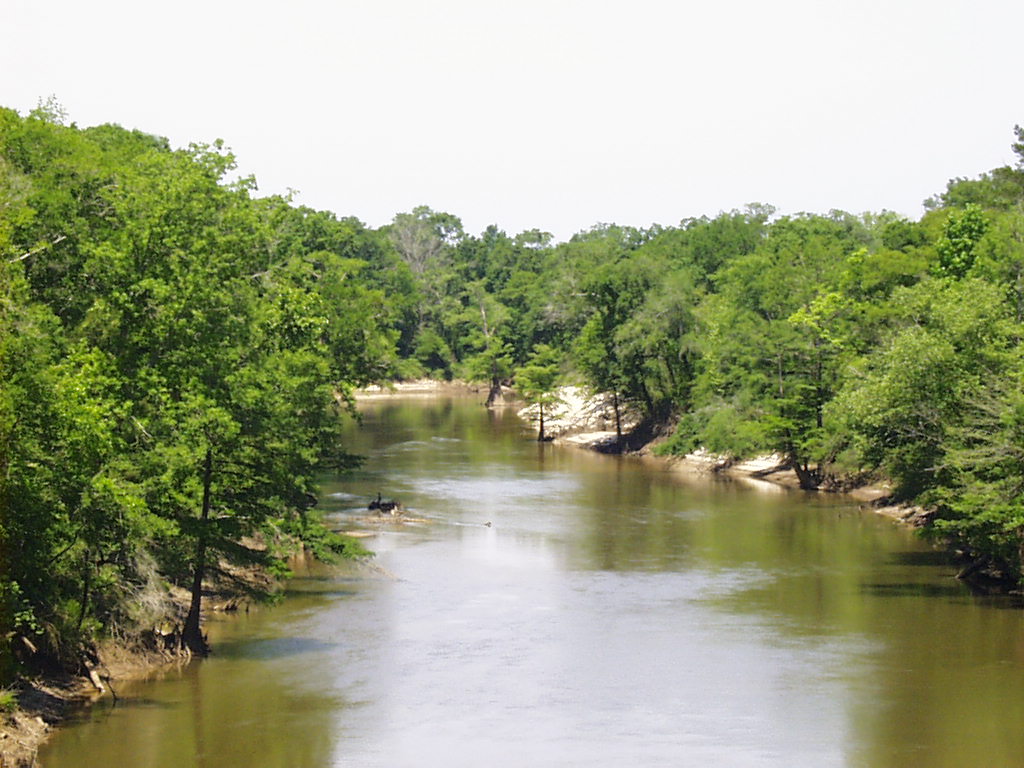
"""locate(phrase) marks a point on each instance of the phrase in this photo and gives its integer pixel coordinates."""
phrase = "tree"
(957, 247)
(537, 382)
(231, 364)
(901, 400)
(481, 327)
(765, 358)
(982, 505)
(169, 376)
(1000, 257)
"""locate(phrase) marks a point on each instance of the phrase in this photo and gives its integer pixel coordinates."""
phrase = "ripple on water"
(403, 447)
(498, 485)
(343, 496)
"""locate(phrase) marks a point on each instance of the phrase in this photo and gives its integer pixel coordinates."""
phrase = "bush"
(8, 700)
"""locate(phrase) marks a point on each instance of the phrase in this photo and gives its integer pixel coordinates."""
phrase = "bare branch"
(42, 247)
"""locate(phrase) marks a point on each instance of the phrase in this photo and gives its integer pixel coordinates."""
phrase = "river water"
(613, 613)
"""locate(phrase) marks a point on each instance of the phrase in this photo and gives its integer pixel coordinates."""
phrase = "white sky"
(549, 114)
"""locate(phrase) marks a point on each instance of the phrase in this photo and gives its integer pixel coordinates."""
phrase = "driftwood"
(94, 678)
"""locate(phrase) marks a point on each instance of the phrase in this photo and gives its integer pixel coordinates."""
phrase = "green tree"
(482, 326)
(537, 383)
(958, 245)
(1000, 257)
(173, 356)
(767, 359)
(982, 503)
(902, 399)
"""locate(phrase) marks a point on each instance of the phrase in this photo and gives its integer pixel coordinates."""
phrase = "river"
(613, 613)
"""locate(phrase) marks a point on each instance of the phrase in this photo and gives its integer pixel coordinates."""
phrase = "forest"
(175, 351)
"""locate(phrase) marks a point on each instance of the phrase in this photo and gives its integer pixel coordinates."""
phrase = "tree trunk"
(7, 666)
(495, 393)
(1020, 556)
(540, 434)
(810, 479)
(618, 415)
(6, 618)
(819, 381)
(192, 635)
(86, 587)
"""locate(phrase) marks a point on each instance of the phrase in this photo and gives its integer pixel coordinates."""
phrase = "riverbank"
(46, 697)
(44, 701)
(590, 421)
(586, 421)
(417, 388)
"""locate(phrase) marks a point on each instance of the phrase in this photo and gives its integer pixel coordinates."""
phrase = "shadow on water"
(323, 592)
(273, 648)
(105, 707)
(953, 591)
(929, 558)
(1001, 602)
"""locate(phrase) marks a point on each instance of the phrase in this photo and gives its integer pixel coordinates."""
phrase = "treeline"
(173, 356)
(855, 346)
(174, 351)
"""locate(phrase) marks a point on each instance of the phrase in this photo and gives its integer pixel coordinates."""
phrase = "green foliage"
(771, 342)
(1000, 258)
(957, 247)
(982, 504)
(8, 700)
(173, 356)
(904, 397)
(537, 382)
(538, 378)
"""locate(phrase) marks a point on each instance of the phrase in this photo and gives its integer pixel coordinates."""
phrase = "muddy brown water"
(612, 614)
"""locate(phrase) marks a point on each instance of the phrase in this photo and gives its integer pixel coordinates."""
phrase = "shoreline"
(45, 703)
(47, 699)
(417, 388)
(763, 471)
(584, 421)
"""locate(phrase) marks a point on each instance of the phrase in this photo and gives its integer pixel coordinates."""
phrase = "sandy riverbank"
(586, 421)
(418, 388)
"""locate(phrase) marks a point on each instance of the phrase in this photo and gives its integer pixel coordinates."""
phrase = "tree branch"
(34, 251)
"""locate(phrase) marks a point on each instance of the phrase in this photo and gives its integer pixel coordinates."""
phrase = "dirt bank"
(582, 418)
(45, 700)
(46, 696)
(585, 421)
(418, 388)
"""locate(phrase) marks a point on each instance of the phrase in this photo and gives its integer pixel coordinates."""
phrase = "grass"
(8, 700)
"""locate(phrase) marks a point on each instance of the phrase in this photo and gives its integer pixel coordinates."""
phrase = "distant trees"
(844, 344)
(847, 345)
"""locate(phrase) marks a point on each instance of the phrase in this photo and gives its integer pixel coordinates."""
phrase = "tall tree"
(981, 506)
(762, 361)
(537, 383)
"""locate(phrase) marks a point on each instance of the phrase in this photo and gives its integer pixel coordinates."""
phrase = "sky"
(547, 114)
